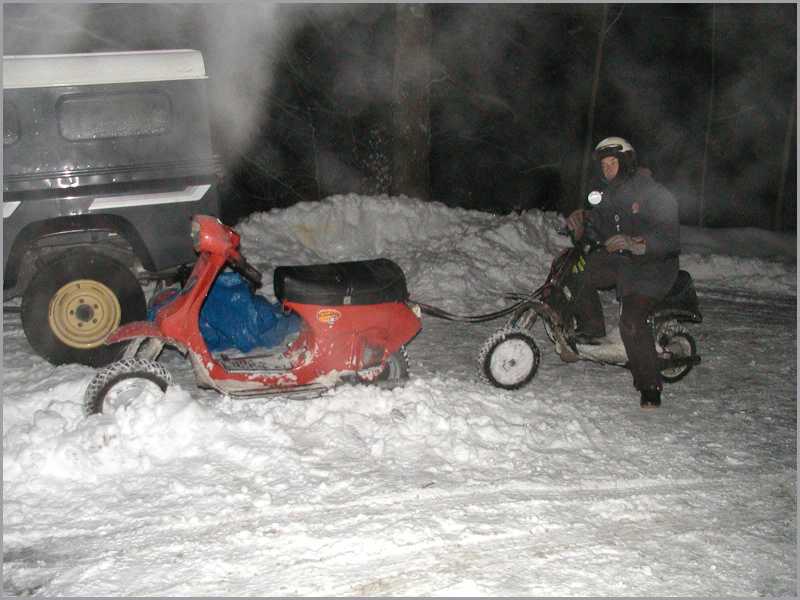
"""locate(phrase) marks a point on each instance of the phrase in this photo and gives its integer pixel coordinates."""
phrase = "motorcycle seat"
(682, 296)
(357, 282)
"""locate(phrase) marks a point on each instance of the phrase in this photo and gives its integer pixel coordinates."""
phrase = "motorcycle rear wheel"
(674, 341)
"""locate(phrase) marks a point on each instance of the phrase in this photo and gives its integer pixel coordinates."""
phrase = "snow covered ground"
(446, 486)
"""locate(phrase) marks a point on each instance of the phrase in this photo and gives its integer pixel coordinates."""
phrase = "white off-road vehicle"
(106, 157)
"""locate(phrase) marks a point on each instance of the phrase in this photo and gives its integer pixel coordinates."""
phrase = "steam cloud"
(239, 42)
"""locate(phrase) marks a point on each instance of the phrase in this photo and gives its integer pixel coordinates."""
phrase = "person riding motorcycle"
(637, 222)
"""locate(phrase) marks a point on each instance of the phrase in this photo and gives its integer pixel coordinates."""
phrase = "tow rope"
(443, 314)
(520, 300)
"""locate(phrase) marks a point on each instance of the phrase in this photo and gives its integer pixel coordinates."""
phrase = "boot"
(588, 337)
(651, 398)
(586, 340)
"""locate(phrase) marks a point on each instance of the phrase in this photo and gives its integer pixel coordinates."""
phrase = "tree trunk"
(587, 149)
(701, 210)
(411, 97)
(777, 220)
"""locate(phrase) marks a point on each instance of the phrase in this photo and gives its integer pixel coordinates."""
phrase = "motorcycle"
(356, 321)
(510, 357)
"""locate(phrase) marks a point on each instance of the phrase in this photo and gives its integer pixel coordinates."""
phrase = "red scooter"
(356, 321)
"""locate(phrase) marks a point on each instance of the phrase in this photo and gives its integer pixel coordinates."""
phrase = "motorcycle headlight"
(415, 308)
(595, 197)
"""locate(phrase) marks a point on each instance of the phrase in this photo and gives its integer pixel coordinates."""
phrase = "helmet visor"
(610, 150)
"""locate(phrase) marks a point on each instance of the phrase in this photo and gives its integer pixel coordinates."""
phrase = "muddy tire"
(73, 303)
(125, 377)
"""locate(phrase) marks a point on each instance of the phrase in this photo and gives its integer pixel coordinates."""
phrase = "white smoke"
(240, 43)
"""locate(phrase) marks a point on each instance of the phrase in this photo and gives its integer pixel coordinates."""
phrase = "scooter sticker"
(328, 316)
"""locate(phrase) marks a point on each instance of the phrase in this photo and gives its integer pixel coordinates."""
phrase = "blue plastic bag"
(234, 317)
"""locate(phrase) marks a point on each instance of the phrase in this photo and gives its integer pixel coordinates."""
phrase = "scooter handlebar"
(244, 268)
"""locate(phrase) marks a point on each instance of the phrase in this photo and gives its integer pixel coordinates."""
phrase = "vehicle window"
(10, 123)
(96, 116)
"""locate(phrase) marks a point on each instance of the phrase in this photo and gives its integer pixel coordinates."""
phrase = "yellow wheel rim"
(83, 312)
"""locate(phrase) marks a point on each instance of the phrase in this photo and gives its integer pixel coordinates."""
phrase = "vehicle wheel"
(74, 302)
(509, 359)
(121, 382)
(395, 372)
(674, 341)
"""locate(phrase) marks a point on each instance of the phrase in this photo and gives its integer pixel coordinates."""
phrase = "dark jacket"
(639, 206)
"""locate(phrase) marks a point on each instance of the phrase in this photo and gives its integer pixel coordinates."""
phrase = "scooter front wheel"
(121, 382)
(509, 359)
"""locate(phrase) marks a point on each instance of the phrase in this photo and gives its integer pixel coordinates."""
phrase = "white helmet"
(622, 150)
(612, 146)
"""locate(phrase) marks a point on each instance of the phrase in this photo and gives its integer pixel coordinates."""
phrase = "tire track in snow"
(591, 491)
(514, 492)
(745, 296)
(474, 552)
(551, 540)
(338, 542)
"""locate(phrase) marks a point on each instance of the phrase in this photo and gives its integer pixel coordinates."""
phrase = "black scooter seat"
(357, 282)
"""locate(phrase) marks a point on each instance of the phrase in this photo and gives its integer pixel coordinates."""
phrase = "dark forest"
(480, 106)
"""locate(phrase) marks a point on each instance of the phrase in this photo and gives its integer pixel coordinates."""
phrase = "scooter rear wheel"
(122, 381)
(394, 373)
(509, 359)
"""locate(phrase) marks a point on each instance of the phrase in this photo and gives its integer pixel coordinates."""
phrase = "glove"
(575, 223)
(634, 245)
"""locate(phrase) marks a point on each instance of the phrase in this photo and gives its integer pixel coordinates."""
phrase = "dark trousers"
(601, 272)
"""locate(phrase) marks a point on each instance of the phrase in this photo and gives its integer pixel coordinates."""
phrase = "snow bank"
(56, 440)
(452, 258)
(464, 260)
(739, 241)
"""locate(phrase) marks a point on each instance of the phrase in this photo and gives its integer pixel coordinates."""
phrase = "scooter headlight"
(415, 309)
(196, 235)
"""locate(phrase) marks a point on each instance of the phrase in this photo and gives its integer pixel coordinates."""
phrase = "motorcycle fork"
(525, 318)
(565, 306)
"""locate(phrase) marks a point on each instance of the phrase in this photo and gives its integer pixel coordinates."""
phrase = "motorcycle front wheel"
(509, 359)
